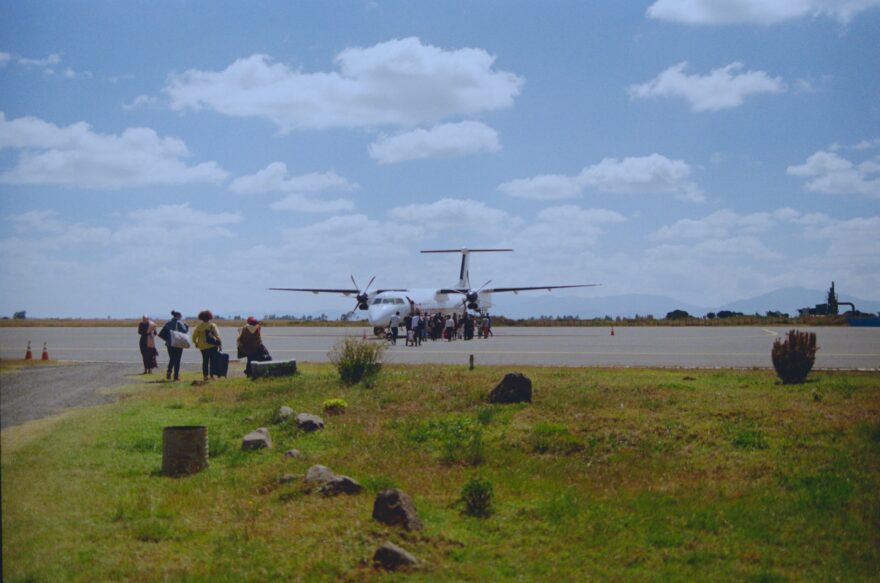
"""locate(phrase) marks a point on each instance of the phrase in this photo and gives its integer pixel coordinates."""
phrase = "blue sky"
(160, 154)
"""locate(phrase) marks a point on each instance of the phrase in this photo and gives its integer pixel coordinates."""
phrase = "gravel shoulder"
(36, 392)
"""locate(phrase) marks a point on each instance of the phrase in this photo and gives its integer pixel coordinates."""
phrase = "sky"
(166, 155)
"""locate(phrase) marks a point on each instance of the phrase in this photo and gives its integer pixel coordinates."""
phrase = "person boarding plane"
(382, 304)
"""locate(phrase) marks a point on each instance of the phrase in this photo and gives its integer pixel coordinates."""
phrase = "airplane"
(381, 304)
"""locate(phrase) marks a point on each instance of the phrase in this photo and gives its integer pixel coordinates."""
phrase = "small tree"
(793, 358)
(22, 315)
(477, 498)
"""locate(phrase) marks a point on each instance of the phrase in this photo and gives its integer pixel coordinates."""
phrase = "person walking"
(147, 344)
(394, 324)
(250, 344)
(450, 328)
(174, 353)
(416, 330)
(206, 337)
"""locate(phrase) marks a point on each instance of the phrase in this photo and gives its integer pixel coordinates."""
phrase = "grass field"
(611, 474)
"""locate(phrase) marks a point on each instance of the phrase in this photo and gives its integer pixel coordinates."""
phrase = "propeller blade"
(369, 284)
(354, 282)
(479, 289)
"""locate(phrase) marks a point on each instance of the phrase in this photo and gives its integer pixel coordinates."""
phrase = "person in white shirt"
(394, 324)
(417, 340)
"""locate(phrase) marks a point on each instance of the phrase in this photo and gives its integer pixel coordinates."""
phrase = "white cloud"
(77, 156)
(352, 236)
(399, 82)
(830, 173)
(723, 88)
(655, 174)
(460, 215)
(51, 60)
(307, 204)
(274, 178)
(4, 59)
(441, 141)
(567, 227)
(764, 12)
(140, 101)
(723, 224)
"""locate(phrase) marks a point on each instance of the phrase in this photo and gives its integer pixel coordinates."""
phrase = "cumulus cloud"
(301, 189)
(568, 227)
(829, 173)
(725, 223)
(275, 178)
(49, 64)
(655, 174)
(764, 12)
(441, 141)
(454, 213)
(75, 155)
(399, 82)
(722, 88)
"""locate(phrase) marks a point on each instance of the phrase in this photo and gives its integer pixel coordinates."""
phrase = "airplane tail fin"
(464, 279)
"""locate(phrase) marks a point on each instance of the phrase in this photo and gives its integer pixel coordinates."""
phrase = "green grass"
(623, 474)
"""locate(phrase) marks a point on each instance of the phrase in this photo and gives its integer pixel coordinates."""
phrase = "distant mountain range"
(788, 300)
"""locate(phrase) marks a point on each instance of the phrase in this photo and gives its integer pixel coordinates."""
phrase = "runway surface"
(697, 347)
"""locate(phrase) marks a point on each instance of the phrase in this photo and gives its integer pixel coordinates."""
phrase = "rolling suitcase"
(220, 364)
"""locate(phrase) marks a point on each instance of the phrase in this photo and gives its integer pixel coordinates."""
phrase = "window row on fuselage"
(398, 301)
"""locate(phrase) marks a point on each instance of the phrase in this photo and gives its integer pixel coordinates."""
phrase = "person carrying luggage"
(174, 353)
(250, 344)
(206, 337)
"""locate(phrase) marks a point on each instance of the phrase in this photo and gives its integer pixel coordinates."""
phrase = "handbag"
(211, 338)
(179, 339)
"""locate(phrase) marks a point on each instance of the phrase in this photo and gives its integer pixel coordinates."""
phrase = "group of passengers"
(420, 327)
(206, 337)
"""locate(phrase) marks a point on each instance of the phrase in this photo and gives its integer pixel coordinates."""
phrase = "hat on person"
(252, 321)
(176, 314)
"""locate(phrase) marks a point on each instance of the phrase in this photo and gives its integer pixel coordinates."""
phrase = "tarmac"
(687, 347)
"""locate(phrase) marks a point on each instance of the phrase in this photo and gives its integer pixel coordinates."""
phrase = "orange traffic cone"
(45, 355)
(612, 330)
(28, 355)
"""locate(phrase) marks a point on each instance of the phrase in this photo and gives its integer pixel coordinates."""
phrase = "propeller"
(471, 297)
(362, 298)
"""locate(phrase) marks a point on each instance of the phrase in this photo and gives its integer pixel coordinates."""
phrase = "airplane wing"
(321, 290)
(535, 287)
(514, 289)
(345, 292)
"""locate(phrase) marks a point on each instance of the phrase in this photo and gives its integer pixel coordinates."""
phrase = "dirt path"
(35, 392)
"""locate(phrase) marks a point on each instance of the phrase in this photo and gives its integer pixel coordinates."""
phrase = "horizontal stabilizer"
(464, 250)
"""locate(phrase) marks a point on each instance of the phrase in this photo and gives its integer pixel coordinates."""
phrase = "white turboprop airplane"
(381, 304)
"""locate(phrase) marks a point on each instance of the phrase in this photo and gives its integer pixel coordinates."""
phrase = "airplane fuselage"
(383, 305)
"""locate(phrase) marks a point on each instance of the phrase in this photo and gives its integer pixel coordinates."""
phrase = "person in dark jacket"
(174, 354)
(250, 344)
(147, 344)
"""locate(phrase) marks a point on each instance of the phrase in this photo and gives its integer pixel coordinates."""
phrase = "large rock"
(284, 413)
(319, 475)
(308, 422)
(340, 485)
(395, 507)
(514, 388)
(391, 557)
(257, 439)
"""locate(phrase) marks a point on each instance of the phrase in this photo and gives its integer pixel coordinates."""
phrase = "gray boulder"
(514, 388)
(284, 413)
(319, 475)
(340, 485)
(395, 507)
(257, 439)
(308, 422)
(392, 557)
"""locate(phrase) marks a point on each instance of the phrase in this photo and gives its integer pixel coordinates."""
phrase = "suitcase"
(220, 364)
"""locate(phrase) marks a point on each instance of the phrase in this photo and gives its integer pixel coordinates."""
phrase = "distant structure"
(831, 307)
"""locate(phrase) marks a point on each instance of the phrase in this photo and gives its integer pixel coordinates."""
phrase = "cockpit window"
(377, 301)
(398, 301)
